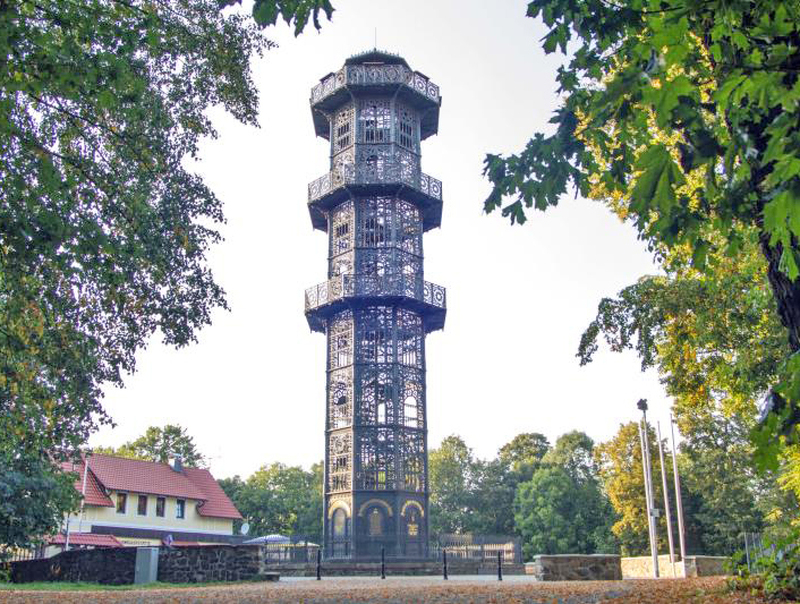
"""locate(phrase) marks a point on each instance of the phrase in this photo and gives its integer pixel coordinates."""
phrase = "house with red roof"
(147, 503)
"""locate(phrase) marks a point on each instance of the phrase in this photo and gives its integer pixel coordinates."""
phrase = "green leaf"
(665, 99)
(655, 186)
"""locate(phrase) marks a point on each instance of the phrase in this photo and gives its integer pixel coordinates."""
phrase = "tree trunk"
(786, 292)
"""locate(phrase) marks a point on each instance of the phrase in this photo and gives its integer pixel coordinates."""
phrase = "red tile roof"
(133, 475)
(122, 474)
(94, 492)
(217, 504)
(86, 539)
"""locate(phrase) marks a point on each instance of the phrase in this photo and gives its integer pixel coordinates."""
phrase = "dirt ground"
(407, 590)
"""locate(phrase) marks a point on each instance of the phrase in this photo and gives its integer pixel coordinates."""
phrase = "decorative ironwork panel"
(412, 459)
(340, 340)
(376, 453)
(376, 400)
(407, 120)
(342, 239)
(375, 335)
(370, 75)
(340, 464)
(374, 121)
(340, 398)
(383, 168)
(411, 399)
(410, 336)
(343, 129)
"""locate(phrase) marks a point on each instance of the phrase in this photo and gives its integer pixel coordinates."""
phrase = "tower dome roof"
(376, 56)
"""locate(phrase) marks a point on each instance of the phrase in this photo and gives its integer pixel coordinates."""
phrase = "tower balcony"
(358, 79)
(331, 296)
(390, 176)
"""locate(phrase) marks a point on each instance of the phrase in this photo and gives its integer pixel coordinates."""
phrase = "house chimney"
(177, 463)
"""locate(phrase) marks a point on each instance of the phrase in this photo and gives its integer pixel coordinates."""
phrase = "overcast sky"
(252, 390)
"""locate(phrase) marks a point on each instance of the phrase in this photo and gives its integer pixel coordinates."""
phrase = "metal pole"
(83, 490)
(383, 562)
(747, 553)
(648, 505)
(319, 565)
(652, 495)
(666, 499)
(444, 564)
(678, 498)
(499, 566)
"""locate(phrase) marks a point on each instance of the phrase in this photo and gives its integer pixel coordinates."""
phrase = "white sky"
(252, 390)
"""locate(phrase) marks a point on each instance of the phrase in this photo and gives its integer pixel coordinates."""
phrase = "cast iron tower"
(375, 307)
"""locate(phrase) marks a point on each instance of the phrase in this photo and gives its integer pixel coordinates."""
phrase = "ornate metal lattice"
(375, 307)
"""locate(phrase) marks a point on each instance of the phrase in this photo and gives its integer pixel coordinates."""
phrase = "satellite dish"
(245, 528)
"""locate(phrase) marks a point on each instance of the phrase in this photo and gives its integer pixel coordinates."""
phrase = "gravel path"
(410, 590)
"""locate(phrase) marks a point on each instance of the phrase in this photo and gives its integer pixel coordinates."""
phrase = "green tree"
(717, 472)
(232, 487)
(103, 227)
(717, 343)
(714, 338)
(160, 444)
(33, 500)
(562, 508)
(280, 499)
(620, 468)
(684, 117)
(524, 453)
(492, 498)
(451, 474)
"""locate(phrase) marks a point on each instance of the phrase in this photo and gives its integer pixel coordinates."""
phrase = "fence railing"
(366, 75)
(474, 548)
(484, 548)
(344, 286)
(388, 171)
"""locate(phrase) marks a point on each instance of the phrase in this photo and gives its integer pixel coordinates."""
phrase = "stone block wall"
(641, 567)
(705, 566)
(569, 567)
(115, 566)
(210, 563)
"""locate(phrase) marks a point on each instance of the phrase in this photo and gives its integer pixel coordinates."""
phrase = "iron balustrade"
(348, 286)
(371, 75)
(389, 172)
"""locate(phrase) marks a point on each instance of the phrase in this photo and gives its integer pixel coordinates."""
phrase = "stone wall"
(211, 563)
(705, 566)
(115, 566)
(568, 567)
(641, 567)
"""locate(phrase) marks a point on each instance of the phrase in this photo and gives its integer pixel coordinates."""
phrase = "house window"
(122, 502)
(180, 508)
(142, 507)
(160, 504)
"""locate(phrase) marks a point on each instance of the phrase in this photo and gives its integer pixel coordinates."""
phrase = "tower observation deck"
(375, 307)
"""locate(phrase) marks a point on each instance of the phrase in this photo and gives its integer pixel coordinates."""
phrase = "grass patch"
(83, 586)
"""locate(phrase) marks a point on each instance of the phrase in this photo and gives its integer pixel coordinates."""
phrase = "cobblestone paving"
(409, 590)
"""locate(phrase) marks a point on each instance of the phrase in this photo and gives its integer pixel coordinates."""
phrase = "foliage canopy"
(684, 115)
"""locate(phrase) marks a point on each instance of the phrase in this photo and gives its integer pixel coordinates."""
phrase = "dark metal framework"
(375, 307)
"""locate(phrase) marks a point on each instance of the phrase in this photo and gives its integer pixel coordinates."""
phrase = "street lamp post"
(666, 499)
(678, 498)
(648, 486)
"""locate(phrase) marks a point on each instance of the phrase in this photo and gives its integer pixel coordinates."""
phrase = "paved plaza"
(408, 590)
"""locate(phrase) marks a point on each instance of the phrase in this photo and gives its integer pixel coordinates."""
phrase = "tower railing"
(346, 286)
(366, 75)
(385, 171)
